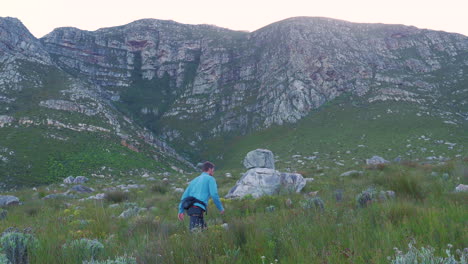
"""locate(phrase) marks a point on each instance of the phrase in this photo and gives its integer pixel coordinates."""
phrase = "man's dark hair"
(207, 165)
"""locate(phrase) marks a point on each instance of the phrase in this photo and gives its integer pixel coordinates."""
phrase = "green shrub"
(3, 214)
(118, 260)
(426, 256)
(31, 211)
(3, 259)
(159, 188)
(313, 203)
(17, 246)
(85, 249)
(116, 196)
(366, 197)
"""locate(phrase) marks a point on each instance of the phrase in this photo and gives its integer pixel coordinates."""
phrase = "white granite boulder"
(256, 182)
(264, 181)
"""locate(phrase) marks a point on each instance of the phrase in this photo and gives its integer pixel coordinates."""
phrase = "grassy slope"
(40, 159)
(342, 126)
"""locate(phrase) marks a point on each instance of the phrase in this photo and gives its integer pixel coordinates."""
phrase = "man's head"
(208, 167)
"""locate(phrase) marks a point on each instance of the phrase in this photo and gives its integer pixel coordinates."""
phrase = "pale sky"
(42, 16)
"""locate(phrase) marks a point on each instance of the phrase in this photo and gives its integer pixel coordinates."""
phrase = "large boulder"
(264, 181)
(259, 158)
(6, 200)
(256, 182)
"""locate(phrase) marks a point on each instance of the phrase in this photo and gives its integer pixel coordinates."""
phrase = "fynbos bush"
(159, 188)
(313, 203)
(83, 248)
(16, 245)
(118, 260)
(3, 215)
(116, 196)
(365, 198)
(426, 255)
(3, 259)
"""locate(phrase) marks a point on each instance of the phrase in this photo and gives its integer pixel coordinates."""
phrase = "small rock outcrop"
(351, 173)
(81, 189)
(264, 179)
(7, 200)
(461, 188)
(77, 180)
(376, 160)
(80, 180)
(259, 158)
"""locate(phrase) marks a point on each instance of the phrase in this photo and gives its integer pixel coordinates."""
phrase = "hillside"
(153, 93)
(53, 125)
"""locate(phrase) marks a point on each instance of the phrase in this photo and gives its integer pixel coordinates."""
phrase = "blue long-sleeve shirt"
(203, 188)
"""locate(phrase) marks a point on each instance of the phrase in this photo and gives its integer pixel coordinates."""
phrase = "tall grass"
(425, 209)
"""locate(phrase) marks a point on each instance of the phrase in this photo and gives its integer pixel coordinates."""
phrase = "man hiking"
(196, 196)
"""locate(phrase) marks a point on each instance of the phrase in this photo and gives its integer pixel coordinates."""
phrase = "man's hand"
(181, 216)
(222, 212)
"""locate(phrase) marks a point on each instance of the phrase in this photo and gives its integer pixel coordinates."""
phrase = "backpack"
(189, 201)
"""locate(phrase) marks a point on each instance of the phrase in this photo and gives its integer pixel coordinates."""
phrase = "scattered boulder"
(376, 160)
(99, 196)
(259, 158)
(80, 180)
(292, 181)
(351, 173)
(179, 190)
(69, 180)
(131, 186)
(7, 200)
(309, 180)
(200, 166)
(461, 188)
(228, 175)
(60, 196)
(81, 189)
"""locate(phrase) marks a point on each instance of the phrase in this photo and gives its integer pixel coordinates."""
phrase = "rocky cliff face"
(187, 83)
(238, 81)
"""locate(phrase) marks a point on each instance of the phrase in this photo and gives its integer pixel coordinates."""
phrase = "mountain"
(212, 93)
(53, 124)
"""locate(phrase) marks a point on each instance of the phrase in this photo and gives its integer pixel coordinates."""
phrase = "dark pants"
(196, 217)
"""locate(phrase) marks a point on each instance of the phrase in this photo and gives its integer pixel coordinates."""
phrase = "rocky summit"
(153, 81)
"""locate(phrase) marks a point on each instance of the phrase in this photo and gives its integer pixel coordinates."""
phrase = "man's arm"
(214, 195)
